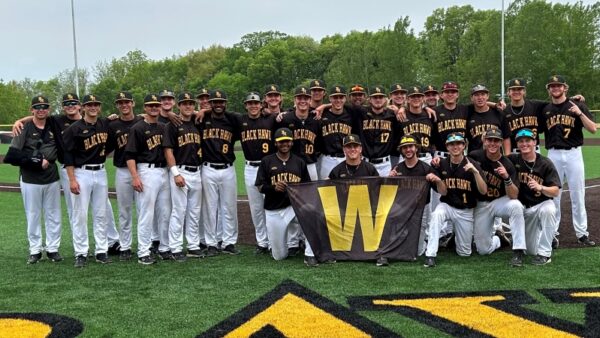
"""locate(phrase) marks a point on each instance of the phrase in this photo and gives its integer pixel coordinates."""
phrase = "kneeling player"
(539, 183)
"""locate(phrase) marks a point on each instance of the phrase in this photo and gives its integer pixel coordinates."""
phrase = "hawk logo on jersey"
(180, 129)
(85, 131)
(273, 168)
(245, 124)
(34, 134)
(147, 132)
(442, 115)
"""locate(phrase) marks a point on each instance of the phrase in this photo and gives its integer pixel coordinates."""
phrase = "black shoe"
(80, 261)
(311, 261)
(154, 247)
(330, 261)
(293, 251)
(220, 246)
(54, 257)
(585, 241)
(102, 258)
(146, 260)
(555, 242)
(504, 240)
(230, 249)
(197, 253)
(517, 259)
(212, 251)
(165, 256)
(429, 262)
(34, 258)
(114, 249)
(261, 250)
(445, 241)
(382, 261)
(125, 255)
(541, 260)
(179, 257)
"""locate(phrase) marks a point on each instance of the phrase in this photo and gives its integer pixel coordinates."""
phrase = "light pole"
(502, 54)
(75, 49)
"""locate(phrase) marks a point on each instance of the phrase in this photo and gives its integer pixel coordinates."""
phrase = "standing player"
(118, 132)
(202, 99)
(538, 184)
(336, 124)
(276, 171)
(432, 96)
(317, 93)
(220, 129)
(419, 124)
(34, 151)
(398, 99)
(167, 102)
(564, 122)
(500, 199)
(181, 145)
(147, 165)
(85, 153)
(483, 118)
(463, 180)
(353, 165)
(272, 100)
(358, 95)
(256, 139)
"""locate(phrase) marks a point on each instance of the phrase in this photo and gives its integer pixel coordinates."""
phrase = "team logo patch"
(245, 124)
(444, 172)
(38, 325)
(180, 129)
(147, 132)
(85, 131)
(442, 115)
(273, 168)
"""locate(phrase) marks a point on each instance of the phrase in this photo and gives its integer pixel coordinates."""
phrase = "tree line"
(458, 43)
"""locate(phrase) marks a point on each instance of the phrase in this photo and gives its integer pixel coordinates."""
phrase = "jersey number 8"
(225, 148)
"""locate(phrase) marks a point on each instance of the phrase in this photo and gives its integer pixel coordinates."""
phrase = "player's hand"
(577, 97)
(401, 115)
(199, 115)
(137, 185)
(470, 167)
(112, 117)
(17, 128)
(280, 116)
(393, 173)
(501, 105)
(45, 164)
(575, 109)
(431, 113)
(74, 187)
(280, 186)
(501, 170)
(435, 162)
(175, 119)
(179, 181)
(533, 185)
(433, 178)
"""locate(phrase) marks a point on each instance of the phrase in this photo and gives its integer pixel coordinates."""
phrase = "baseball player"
(118, 132)
(538, 185)
(272, 100)
(182, 149)
(500, 200)
(353, 165)
(358, 95)
(336, 123)
(306, 130)
(413, 166)
(398, 99)
(257, 142)
(147, 165)
(463, 180)
(276, 171)
(432, 96)
(317, 93)
(483, 118)
(167, 103)
(419, 124)
(202, 99)
(85, 153)
(564, 121)
(220, 130)
(34, 151)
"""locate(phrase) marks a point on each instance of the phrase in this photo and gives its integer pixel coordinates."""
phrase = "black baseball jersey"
(60, 123)
(494, 182)
(307, 139)
(541, 170)
(461, 184)
(218, 137)
(377, 131)
(272, 170)
(118, 132)
(346, 171)
(420, 169)
(421, 126)
(185, 140)
(256, 136)
(448, 122)
(525, 116)
(333, 129)
(163, 120)
(33, 141)
(86, 143)
(564, 129)
(144, 144)
(479, 123)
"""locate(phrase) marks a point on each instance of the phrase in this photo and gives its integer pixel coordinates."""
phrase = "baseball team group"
(490, 186)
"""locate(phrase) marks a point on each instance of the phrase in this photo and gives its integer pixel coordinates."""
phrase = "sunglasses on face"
(70, 104)
(153, 105)
(41, 107)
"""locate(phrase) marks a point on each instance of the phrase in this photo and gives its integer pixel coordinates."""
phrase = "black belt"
(338, 155)
(423, 154)
(191, 169)
(562, 148)
(218, 166)
(91, 166)
(157, 165)
(379, 160)
(253, 163)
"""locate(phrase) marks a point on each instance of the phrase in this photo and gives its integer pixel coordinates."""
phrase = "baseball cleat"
(517, 259)
(504, 240)
(102, 258)
(293, 251)
(261, 250)
(541, 260)
(125, 255)
(180, 257)
(54, 257)
(382, 261)
(311, 261)
(429, 262)
(165, 255)
(196, 253)
(586, 241)
(231, 250)
(555, 242)
(212, 251)
(154, 247)
(146, 260)
(114, 249)
(34, 258)
(80, 261)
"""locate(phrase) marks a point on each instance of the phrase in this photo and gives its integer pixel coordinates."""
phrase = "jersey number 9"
(265, 148)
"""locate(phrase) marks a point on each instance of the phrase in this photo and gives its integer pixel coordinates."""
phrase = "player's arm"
(481, 185)
(588, 124)
(262, 181)
(18, 125)
(506, 145)
(171, 164)
(509, 175)
(136, 182)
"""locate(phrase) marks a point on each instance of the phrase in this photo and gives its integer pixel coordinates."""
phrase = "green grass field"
(125, 299)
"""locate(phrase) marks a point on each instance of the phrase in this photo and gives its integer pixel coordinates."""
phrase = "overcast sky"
(37, 38)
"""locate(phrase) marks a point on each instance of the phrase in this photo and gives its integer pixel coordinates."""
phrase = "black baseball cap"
(123, 96)
(283, 134)
(398, 87)
(430, 89)
(351, 139)
(91, 98)
(166, 93)
(202, 92)
(70, 97)
(317, 84)
(449, 85)
(415, 90)
(493, 133)
(357, 88)
(272, 89)
(252, 97)
(185, 97)
(151, 99)
(377, 91)
(516, 83)
(479, 88)
(337, 91)
(40, 100)
(217, 95)
(301, 91)
(556, 79)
